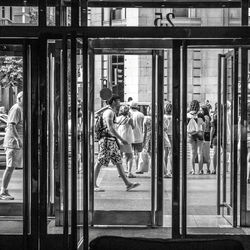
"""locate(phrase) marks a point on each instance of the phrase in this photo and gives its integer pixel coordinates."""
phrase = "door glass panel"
(202, 169)
(11, 138)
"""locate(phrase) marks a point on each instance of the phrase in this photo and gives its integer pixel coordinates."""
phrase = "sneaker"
(213, 172)
(139, 172)
(167, 176)
(208, 171)
(98, 189)
(192, 172)
(131, 175)
(6, 196)
(132, 185)
(201, 172)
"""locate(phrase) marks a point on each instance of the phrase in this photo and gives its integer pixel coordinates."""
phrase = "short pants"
(137, 147)
(14, 158)
(109, 151)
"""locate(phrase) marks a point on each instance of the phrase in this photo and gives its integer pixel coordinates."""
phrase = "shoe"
(6, 196)
(248, 181)
(98, 189)
(201, 172)
(139, 172)
(132, 185)
(208, 171)
(167, 176)
(131, 176)
(213, 172)
(192, 172)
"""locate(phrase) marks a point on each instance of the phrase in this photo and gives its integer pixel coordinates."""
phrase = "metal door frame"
(155, 216)
(222, 69)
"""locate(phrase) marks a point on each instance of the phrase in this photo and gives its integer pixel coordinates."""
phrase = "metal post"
(219, 136)
(184, 139)
(235, 136)
(43, 140)
(64, 139)
(160, 108)
(243, 144)
(224, 127)
(176, 141)
(86, 140)
(154, 74)
(74, 144)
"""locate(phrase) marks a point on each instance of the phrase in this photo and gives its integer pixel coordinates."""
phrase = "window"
(180, 12)
(117, 14)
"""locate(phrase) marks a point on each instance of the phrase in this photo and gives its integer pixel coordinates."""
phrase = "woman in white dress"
(125, 129)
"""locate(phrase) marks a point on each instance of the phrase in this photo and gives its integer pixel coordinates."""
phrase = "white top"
(125, 129)
(138, 119)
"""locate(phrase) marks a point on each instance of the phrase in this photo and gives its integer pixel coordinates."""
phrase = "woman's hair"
(194, 106)
(168, 108)
(205, 110)
(124, 110)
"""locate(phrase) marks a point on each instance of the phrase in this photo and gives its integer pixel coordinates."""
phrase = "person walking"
(109, 148)
(207, 128)
(138, 119)
(195, 129)
(13, 145)
(167, 140)
(125, 130)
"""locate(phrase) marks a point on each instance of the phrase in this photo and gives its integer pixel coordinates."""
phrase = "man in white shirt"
(138, 118)
(13, 144)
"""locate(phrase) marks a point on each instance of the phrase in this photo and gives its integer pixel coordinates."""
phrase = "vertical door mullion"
(184, 139)
(176, 141)
(224, 143)
(160, 107)
(74, 144)
(34, 116)
(26, 137)
(243, 143)
(64, 138)
(235, 137)
(88, 97)
(43, 140)
(219, 119)
(154, 74)
(91, 110)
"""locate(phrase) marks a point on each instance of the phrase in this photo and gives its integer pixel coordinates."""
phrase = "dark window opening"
(180, 12)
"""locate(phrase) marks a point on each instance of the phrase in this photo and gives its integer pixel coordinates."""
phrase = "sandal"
(131, 176)
(192, 172)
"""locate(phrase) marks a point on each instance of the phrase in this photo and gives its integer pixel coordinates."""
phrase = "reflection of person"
(13, 144)
(109, 149)
(125, 130)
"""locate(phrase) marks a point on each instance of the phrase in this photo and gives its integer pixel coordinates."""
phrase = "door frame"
(155, 216)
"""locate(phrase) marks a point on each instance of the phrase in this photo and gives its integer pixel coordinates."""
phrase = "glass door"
(18, 101)
(227, 136)
(116, 70)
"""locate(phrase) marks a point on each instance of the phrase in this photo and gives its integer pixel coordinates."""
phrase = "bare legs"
(197, 150)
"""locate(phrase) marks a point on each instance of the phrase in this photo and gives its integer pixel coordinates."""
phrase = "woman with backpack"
(124, 129)
(195, 131)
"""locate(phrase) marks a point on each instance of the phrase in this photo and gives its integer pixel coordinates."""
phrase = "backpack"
(99, 127)
(192, 127)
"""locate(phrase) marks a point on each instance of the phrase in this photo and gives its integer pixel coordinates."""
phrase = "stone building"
(136, 70)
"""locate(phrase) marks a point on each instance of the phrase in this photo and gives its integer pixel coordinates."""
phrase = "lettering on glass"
(160, 21)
